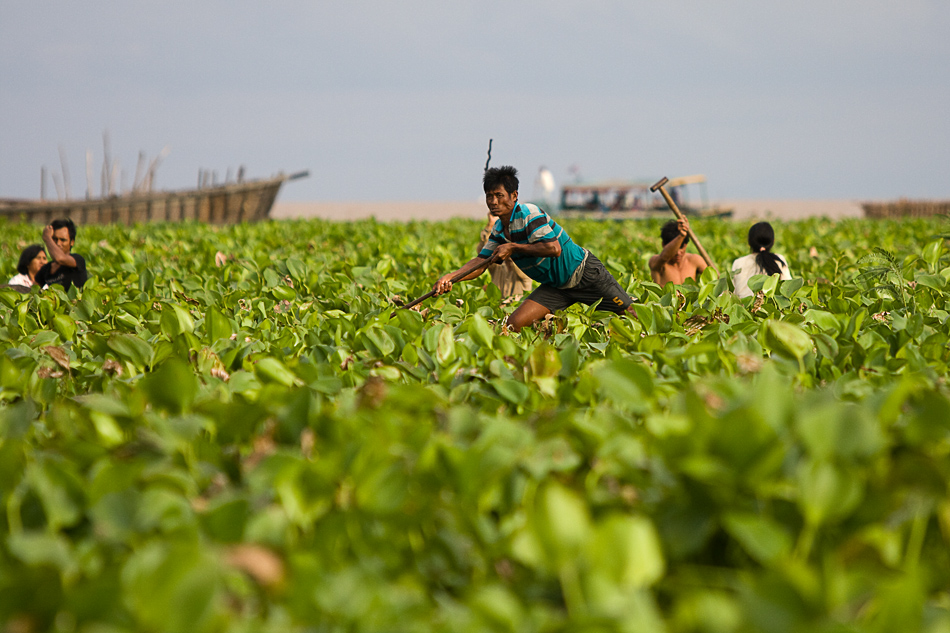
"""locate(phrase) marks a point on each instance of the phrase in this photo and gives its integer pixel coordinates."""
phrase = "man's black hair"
(65, 222)
(506, 176)
(29, 254)
(670, 231)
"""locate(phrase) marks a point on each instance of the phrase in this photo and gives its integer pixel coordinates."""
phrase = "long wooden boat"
(248, 201)
(633, 200)
(905, 208)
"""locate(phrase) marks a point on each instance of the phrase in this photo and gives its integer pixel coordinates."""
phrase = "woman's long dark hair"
(29, 254)
(761, 239)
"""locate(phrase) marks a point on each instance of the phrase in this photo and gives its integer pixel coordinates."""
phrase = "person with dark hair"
(32, 259)
(674, 264)
(65, 268)
(761, 261)
(540, 247)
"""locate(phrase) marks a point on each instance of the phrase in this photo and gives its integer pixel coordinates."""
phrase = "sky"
(382, 100)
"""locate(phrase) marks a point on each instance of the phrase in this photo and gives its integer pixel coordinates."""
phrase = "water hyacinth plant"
(227, 429)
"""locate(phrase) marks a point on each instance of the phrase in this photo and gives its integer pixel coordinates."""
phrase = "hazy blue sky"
(395, 100)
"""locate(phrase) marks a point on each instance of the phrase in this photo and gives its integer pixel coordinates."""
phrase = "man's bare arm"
(508, 250)
(58, 255)
(444, 284)
(657, 262)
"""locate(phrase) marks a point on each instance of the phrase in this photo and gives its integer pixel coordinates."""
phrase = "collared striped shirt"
(529, 225)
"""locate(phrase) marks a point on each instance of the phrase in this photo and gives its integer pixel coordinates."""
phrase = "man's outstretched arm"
(444, 284)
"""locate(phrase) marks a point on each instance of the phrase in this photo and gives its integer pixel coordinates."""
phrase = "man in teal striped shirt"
(524, 233)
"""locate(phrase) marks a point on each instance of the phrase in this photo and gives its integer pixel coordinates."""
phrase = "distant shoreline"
(779, 209)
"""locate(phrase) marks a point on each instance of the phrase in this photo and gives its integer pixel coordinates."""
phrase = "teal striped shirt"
(530, 225)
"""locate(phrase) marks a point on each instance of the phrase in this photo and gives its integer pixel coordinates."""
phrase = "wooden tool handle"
(464, 272)
(669, 201)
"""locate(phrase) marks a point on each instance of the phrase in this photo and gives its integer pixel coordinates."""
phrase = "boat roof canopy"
(613, 185)
(686, 180)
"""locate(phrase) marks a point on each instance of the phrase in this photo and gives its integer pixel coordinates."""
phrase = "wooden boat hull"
(249, 201)
(906, 209)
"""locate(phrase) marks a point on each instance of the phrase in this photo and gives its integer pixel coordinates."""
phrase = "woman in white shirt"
(32, 259)
(761, 261)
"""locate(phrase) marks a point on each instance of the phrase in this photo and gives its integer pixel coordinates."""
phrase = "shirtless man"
(674, 264)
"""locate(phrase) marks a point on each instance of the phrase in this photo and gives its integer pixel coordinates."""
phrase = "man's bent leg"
(527, 313)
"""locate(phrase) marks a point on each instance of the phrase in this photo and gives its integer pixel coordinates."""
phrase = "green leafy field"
(226, 431)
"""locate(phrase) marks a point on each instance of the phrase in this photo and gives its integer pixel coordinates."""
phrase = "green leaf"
(480, 331)
(297, 269)
(824, 320)
(931, 281)
(217, 326)
(173, 386)
(562, 522)
(224, 520)
(272, 370)
(624, 381)
(131, 348)
(630, 548)
(65, 327)
(787, 339)
(827, 493)
(60, 492)
(761, 537)
(176, 320)
(445, 350)
(511, 390)
(381, 341)
(36, 549)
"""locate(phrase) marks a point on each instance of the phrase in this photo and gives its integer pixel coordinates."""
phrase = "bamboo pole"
(65, 167)
(88, 174)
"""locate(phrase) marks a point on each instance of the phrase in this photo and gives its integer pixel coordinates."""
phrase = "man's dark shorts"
(596, 283)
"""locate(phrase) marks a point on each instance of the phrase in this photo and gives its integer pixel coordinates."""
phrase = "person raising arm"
(65, 267)
(674, 264)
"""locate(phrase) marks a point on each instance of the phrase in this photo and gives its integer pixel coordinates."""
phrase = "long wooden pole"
(659, 186)
(465, 271)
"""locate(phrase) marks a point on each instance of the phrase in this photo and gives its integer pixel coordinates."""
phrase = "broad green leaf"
(511, 390)
(562, 521)
(176, 320)
(827, 493)
(65, 327)
(825, 320)
(761, 537)
(217, 326)
(272, 370)
(445, 350)
(787, 339)
(481, 331)
(381, 341)
(297, 269)
(131, 348)
(624, 381)
(630, 548)
(172, 386)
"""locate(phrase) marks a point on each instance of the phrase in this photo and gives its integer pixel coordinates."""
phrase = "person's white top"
(745, 267)
(21, 280)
